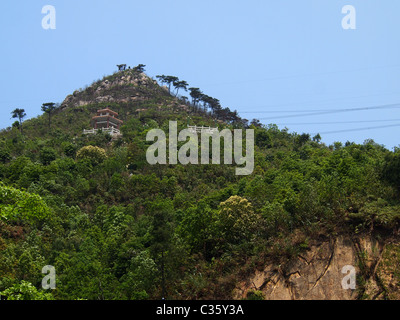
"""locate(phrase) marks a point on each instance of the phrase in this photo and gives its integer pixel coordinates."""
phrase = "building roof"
(107, 110)
(107, 117)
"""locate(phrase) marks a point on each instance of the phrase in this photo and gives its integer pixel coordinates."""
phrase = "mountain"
(308, 218)
(122, 87)
(131, 93)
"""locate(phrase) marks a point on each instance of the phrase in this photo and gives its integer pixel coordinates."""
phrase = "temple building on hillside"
(105, 120)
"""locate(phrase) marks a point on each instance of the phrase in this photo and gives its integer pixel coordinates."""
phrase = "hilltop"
(115, 227)
(132, 94)
(122, 87)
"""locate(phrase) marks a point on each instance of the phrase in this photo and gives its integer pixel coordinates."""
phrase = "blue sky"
(266, 59)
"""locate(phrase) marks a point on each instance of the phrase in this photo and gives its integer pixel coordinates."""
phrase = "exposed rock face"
(317, 274)
(124, 86)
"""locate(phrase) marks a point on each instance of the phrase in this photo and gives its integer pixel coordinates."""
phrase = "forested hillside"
(115, 227)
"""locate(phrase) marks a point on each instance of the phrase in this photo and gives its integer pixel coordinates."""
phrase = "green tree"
(196, 227)
(47, 155)
(180, 85)
(136, 156)
(317, 138)
(161, 232)
(16, 125)
(20, 114)
(236, 220)
(25, 291)
(18, 204)
(5, 155)
(391, 169)
(138, 281)
(161, 78)
(48, 108)
(139, 68)
(196, 94)
(94, 154)
(169, 80)
(69, 149)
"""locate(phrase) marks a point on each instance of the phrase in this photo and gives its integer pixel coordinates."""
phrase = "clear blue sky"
(255, 56)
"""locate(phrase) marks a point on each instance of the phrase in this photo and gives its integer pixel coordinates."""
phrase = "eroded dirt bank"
(317, 273)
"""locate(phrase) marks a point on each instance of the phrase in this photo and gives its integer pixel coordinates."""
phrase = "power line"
(289, 111)
(388, 106)
(335, 122)
(358, 129)
(301, 75)
(315, 102)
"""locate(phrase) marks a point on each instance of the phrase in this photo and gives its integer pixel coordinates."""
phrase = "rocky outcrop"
(317, 273)
(123, 86)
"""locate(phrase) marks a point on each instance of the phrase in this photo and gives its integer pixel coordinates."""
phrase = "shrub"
(236, 220)
(94, 154)
(4, 155)
(15, 204)
(47, 155)
(255, 295)
(25, 291)
(69, 149)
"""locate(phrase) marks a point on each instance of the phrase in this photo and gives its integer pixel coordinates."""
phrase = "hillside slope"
(118, 228)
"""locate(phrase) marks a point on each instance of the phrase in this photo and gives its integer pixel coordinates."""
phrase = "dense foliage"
(115, 227)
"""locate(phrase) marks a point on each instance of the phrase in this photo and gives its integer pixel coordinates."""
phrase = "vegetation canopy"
(115, 227)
